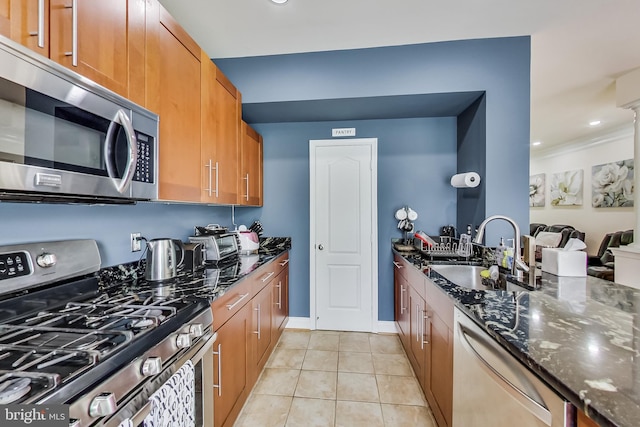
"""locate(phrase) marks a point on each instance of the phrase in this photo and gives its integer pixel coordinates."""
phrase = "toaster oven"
(218, 247)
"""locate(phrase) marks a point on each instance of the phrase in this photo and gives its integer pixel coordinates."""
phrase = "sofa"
(602, 264)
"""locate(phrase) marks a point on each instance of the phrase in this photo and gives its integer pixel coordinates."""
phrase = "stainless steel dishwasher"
(493, 389)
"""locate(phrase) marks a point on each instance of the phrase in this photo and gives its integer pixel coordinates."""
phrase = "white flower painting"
(536, 190)
(566, 188)
(612, 184)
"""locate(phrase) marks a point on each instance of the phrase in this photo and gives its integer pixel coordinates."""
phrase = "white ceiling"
(578, 47)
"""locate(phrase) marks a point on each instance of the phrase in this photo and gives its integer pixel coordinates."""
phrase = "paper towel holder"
(465, 180)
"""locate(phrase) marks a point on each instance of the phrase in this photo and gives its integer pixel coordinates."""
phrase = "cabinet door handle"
(258, 330)
(402, 291)
(243, 296)
(74, 33)
(217, 181)
(267, 276)
(417, 323)
(246, 178)
(219, 385)
(425, 316)
(279, 286)
(208, 167)
(285, 262)
(211, 168)
(40, 23)
(398, 266)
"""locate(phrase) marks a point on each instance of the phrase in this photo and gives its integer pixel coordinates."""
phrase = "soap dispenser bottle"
(499, 253)
(508, 254)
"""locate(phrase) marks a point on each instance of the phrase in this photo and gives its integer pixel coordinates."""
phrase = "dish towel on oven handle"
(173, 404)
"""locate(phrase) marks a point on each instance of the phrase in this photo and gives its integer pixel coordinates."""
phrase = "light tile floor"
(336, 379)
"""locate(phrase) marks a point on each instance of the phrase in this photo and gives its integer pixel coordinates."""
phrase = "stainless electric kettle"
(164, 256)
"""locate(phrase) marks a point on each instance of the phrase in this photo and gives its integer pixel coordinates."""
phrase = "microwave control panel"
(145, 171)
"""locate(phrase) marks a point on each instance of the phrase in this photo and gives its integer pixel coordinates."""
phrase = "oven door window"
(38, 130)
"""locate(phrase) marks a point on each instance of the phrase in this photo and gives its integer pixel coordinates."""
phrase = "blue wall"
(497, 67)
(109, 225)
(416, 157)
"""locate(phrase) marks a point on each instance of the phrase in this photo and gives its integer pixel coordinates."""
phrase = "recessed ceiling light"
(594, 123)
(536, 143)
(279, 1)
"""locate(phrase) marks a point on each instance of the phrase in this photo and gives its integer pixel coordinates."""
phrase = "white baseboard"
(299, 323)
(387, 327)
(383, 326)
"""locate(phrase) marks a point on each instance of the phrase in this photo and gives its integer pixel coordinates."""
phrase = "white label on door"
(343, 132)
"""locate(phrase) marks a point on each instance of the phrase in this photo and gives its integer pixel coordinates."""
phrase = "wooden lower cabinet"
(249, 319)
(281, 300)
(424, 315)
(231, 358)
(261, 329)
(417, 350)
(440, 381)
(584, 421)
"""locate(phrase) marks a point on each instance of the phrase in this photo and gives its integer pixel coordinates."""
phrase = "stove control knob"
(183, 341)
(102, 405)
(46, 260)
(151, 366)
(196, 330)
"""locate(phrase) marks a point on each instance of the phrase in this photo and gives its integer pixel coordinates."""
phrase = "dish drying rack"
(447, 247)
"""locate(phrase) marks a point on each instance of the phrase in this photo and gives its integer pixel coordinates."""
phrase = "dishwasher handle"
(536, 408)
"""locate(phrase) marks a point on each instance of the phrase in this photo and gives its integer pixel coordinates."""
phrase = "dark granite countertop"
(208, 283)
(580, 335)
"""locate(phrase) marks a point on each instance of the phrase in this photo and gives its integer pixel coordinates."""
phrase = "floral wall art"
(566, 188)
(536, 190)
(612, 184)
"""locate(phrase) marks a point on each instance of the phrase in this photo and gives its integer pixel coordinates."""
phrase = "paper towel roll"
(465, 180)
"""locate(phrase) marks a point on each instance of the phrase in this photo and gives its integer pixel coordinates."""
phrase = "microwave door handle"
(122, 119)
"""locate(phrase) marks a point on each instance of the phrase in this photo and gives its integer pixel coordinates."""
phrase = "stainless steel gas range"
(106, 352)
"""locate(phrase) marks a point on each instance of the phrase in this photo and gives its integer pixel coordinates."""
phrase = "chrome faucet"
(518, 265)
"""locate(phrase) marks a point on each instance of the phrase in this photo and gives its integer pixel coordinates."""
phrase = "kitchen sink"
(466, 276)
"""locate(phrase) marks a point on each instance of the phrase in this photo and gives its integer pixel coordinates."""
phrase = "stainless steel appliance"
(162, 259)
(219, 245)
(104, 350)
(64, 138)
(491, 388)
(193, 257)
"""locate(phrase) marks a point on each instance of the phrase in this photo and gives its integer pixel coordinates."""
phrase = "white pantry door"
(343, 234)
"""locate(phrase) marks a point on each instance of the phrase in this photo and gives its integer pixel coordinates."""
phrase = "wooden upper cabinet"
(98, 39)
(173, 92)
(5, 18)
(220, 142)
(251, 167)
(26, 22)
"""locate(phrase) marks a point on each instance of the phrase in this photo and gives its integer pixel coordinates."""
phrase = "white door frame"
(373, 143)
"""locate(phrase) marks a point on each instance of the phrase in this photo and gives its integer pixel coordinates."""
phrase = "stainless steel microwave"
(65, 138)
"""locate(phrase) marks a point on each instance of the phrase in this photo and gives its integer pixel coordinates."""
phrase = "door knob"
(320, 247)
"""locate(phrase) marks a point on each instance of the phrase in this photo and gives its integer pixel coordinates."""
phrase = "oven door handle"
(140, 416)
(123, 120)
